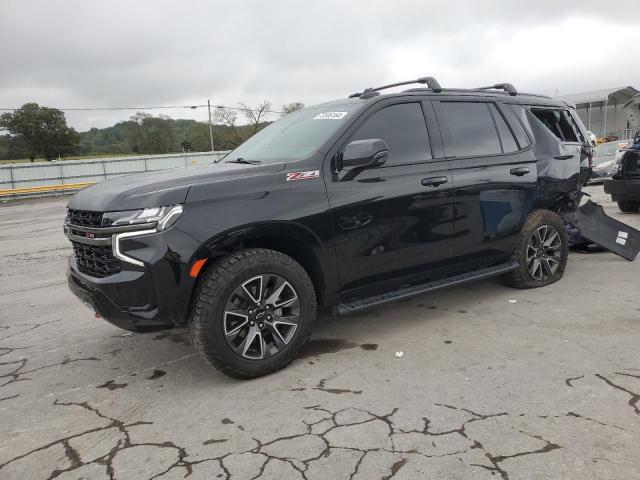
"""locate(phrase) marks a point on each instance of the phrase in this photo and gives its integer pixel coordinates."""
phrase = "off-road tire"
(520, 277)
(628, 206)
(216, 285)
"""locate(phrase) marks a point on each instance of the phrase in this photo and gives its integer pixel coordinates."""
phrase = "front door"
(392, 222)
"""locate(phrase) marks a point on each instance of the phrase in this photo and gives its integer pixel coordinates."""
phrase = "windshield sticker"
(330, 116)
(293, 176)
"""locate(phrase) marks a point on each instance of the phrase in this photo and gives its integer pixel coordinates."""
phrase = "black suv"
(624, 185)
(337, 207)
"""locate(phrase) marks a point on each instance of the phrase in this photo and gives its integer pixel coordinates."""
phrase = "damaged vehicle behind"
(624, 185)
(339, 207)
(606, 158)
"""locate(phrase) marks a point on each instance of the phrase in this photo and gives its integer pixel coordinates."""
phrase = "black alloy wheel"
(261, 316)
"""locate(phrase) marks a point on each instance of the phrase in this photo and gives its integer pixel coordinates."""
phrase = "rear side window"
(572, 119)
(469, 130)
(521, 113)
(404, 129)
(523, 139)
(558, 123)
(506, 137)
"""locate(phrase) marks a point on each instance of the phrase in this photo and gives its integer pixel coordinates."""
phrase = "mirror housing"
(371, 152)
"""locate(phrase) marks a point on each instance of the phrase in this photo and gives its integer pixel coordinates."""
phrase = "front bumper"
(623, 189)
(153, 296)
(100, 298)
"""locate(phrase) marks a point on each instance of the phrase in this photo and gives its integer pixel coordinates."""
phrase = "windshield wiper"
(244, 161)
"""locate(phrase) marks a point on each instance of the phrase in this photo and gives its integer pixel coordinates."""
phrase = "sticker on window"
(330, 116)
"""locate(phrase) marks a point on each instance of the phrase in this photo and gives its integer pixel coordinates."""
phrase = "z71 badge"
(292, 176)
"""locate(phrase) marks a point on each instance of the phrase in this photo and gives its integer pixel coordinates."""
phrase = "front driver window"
(404, 129)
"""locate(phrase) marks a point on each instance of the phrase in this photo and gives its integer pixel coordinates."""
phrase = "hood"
(161, 187)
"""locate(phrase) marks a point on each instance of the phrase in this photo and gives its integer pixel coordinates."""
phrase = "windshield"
(295, 135)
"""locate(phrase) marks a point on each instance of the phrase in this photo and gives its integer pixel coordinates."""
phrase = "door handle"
(519, 171)
(434, 181)
(563, 157)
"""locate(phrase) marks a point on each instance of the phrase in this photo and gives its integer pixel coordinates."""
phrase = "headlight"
(149, 220)
(163, 217)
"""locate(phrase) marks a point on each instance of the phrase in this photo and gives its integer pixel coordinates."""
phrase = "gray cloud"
(81, 53)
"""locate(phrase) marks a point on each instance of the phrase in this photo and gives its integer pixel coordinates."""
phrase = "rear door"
(394, 221)
(494, 177)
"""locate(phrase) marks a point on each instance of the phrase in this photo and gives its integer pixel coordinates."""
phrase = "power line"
(190, 107)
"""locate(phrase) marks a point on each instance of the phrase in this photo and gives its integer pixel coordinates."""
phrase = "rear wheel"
(253, 313)
(628, 206)
(542, 251)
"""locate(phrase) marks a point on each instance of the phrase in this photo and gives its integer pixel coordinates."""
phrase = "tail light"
(587, 150)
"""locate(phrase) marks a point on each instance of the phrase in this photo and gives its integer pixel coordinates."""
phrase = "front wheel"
(253, 313)
(628, 206)
(542, 251)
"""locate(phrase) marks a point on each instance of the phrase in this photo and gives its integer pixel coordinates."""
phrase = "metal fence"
(56, 177)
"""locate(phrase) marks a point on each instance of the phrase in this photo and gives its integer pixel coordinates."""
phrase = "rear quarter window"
(558, 122)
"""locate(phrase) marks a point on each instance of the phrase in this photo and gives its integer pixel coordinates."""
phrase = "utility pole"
(210, 126)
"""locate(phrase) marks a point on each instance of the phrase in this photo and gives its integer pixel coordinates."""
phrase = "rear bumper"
(593, 224)
(623, 189)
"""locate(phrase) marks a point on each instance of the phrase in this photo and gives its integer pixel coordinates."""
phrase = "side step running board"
(406, 292)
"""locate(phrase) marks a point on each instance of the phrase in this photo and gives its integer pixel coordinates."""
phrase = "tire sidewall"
(549, 219)
(628, 206)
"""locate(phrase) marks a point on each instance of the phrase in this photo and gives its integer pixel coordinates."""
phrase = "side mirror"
(371, 152)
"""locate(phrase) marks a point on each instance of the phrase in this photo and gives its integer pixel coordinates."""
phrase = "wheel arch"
(292, 239)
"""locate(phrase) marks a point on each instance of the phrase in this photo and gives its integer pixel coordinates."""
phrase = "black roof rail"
(431, 82)
(507, 87)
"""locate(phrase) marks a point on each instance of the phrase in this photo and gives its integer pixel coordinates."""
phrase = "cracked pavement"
(547, 387)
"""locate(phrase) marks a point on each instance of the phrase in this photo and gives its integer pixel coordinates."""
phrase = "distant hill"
(151, 135)
(116, 139)
(189, 135)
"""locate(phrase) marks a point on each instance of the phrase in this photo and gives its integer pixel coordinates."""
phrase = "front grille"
(85, 218)
(94, 260)
(631, 160)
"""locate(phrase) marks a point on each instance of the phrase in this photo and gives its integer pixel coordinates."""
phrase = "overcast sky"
(112, 53)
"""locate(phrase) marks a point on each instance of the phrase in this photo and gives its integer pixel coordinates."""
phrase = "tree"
(151, 134)
(227, 135)
(12, 147)
(42, 131)
(291, 107)
(256, 115)
(198, 137)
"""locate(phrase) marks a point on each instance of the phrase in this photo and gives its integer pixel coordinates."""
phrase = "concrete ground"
(493, 383)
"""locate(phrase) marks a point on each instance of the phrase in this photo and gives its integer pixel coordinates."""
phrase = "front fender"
(296, 240)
